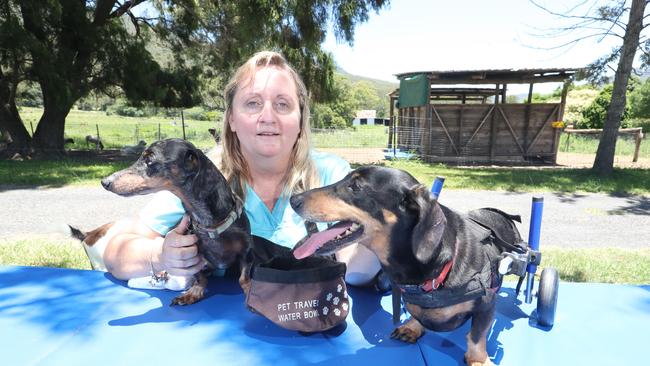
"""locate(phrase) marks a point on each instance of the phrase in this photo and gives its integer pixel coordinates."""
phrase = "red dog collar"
(433, 283)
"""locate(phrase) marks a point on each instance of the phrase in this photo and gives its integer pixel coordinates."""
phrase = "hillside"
(382, 87)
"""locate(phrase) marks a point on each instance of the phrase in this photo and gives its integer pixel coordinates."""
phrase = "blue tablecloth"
(70, 317)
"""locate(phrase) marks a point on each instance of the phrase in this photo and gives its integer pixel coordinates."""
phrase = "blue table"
(58, 316)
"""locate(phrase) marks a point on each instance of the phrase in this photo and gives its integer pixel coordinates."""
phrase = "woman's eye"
(253, 105)
(282, 107)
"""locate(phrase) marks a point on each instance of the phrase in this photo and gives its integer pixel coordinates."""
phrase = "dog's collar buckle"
(434, 283)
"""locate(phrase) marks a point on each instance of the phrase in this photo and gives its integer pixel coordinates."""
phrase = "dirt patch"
(564, 160)
(574, 160)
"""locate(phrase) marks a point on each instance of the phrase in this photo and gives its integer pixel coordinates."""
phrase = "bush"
(639, 100)
(325, 117)
(594, 115)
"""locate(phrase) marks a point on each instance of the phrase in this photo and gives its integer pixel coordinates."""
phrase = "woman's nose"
(267, 114)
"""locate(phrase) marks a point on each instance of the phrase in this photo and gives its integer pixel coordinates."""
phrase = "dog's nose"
(296, 202)
(106, 183)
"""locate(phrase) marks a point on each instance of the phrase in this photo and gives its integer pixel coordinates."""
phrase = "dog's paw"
(194, 294)
(487, 362)
(406, 334)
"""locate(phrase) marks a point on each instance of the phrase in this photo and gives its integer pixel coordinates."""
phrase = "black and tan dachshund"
(444, 262)
(217, 216)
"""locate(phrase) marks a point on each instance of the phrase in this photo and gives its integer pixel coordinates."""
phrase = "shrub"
(594, 115)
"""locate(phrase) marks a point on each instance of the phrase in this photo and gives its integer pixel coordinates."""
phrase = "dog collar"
(222, 226)
(433, 283)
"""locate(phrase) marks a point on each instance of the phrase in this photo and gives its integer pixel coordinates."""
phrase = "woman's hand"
(179, 254)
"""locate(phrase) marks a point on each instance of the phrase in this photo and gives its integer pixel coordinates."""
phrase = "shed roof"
(496, 76)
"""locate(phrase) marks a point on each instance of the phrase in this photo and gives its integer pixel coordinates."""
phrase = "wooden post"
(527, 115)
(428, 134)
(503, 93)
(98, 138)
(183, 124)
(158, 131)
(493, 125)
(637, 141)
(391, 123)
(31, 127)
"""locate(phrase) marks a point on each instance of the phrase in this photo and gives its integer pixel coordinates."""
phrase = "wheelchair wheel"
(547, 296)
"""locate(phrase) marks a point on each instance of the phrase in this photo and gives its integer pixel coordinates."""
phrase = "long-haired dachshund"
(444, 263)
(217, 216)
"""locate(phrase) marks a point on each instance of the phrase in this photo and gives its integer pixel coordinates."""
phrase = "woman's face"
(266, 114)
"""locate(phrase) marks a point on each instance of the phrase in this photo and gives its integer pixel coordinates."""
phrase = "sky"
(427, 35)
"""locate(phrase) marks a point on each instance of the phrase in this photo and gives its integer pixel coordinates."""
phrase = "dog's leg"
(244, 279)
(477, 337)
(409, 332)
(194, 293)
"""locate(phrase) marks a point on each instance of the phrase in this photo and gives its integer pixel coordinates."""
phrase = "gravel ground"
(570, 220)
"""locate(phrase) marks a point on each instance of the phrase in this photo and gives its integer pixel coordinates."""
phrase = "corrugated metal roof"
(495, 75)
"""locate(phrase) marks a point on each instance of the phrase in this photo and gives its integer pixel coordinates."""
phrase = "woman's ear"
(430, 226)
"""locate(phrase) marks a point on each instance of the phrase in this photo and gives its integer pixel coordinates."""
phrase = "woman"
(266, 157)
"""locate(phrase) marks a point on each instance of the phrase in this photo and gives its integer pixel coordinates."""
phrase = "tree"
(609, 21)
(72, 47)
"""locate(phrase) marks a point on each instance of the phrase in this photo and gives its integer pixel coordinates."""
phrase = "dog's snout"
(106, 183)
(296, 202)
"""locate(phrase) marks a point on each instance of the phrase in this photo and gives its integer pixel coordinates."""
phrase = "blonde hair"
(301, 174)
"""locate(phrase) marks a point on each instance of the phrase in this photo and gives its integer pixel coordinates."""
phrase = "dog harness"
(434, 293)
(233, 215)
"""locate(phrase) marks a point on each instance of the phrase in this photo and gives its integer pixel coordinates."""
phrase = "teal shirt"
(281, 225)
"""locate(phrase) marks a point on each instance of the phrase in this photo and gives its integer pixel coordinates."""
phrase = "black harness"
(487, 279)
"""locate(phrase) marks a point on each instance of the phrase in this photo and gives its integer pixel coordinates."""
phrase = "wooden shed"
(463, 116)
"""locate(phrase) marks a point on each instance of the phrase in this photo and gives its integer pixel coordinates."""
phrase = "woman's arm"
(136, 251)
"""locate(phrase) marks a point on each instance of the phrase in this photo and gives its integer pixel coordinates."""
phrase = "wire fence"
(359, 144)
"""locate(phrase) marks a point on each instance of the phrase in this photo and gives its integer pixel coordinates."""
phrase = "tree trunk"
(48, 138)
(604, 162)
(10, 121)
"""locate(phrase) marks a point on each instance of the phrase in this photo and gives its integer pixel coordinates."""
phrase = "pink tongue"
(315, 241)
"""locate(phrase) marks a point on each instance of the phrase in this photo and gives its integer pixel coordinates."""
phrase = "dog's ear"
(431, 223)
(191, 164)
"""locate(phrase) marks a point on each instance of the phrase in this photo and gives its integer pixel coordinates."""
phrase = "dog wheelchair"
(522, 259)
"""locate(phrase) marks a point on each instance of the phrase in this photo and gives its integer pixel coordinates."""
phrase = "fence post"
(98, 138)
(158, 131)
(183, 123)
(637, 142)
(31, 126)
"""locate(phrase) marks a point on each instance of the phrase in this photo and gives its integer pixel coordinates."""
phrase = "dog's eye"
(354, 186)
(147, 160)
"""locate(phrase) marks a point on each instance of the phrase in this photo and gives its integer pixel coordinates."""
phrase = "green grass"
(118, 131)
(623, 181)
(43, 252)
(602, 265)
(625, 145)
(55, 173)
(359, 137)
